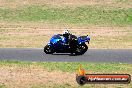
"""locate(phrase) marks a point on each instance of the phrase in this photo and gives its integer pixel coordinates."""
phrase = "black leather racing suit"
(72, 41)
(67, 37)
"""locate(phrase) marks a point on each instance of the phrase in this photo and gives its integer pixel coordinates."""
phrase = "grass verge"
(72, 66)
(84, 15)
(36, 74)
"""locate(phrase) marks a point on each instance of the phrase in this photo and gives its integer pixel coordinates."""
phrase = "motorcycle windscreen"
(57, 38)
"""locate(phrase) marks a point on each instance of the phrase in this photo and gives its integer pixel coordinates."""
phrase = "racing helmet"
(66, 32)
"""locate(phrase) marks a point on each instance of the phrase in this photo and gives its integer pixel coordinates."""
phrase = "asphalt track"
(92, 55)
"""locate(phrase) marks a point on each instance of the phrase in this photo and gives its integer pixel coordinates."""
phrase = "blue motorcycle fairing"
(58, 41)
(49, 43)
(83, 39)
(57, 38)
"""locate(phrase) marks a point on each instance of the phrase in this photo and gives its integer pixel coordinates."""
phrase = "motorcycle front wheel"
(48, 49)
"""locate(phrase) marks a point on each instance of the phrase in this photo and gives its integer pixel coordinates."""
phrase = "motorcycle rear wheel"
(81, 49)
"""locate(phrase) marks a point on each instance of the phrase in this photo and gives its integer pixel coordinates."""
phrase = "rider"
(66, 34)
(69, 38)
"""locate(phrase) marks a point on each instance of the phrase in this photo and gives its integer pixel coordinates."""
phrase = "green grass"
(84, 15)
(2, 86)
(73, 66)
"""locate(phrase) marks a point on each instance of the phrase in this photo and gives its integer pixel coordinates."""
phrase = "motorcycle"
(77, 45)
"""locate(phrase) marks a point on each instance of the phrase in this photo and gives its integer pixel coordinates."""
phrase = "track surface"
(92, 55)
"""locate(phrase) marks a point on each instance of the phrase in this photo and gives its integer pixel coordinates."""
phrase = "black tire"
(81, 80)
(48, 49)
(81, 49)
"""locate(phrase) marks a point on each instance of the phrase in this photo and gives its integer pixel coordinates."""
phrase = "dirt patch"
(111, 3)
(35, 29)
(36, 76)
(38, 34)
(25, 77)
